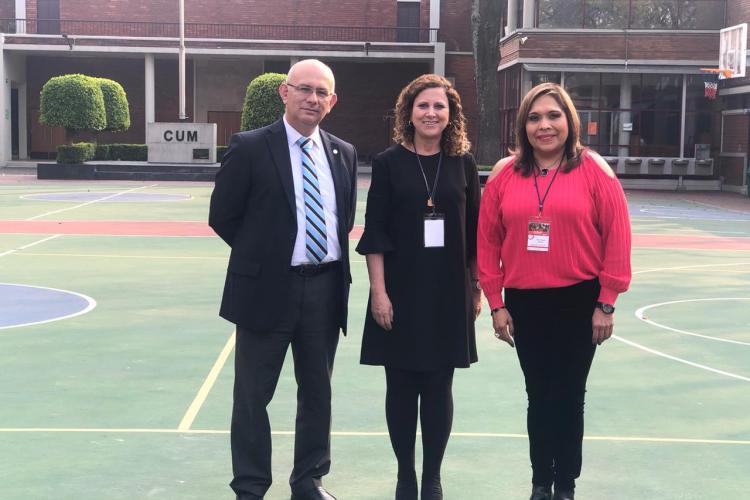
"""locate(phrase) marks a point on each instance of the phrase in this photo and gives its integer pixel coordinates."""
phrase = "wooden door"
(227, 123)
(48, 17)
(44, 139)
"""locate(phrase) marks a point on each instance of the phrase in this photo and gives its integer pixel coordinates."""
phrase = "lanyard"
(430, 194)
(536, 187)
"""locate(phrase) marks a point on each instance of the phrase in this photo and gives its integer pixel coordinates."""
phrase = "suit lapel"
(279, 146)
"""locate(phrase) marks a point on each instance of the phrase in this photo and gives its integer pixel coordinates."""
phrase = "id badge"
(539, 231)
(434, 230)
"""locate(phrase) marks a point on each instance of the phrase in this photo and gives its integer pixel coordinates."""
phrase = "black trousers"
(553, 340)
(310, 326)
(429, 395)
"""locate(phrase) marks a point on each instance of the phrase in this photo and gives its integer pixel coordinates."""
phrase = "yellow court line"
(115, 256)
(633, 439)
(200, 398)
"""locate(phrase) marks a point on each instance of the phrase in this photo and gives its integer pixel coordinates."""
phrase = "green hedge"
(262, 105)
(74, 101)
(76, 153)
(102, 152)
(128, 152)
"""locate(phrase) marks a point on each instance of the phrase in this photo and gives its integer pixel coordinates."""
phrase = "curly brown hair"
(524, 152)
(454, 141)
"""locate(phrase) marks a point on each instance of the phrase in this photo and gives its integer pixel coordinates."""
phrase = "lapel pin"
(335, 151)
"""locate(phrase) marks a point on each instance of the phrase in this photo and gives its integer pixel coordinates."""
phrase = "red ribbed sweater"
(589, 235)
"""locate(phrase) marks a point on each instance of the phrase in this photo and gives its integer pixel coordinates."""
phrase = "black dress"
(429, 288)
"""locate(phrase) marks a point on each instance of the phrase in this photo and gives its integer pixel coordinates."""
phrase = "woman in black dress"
(420, 243)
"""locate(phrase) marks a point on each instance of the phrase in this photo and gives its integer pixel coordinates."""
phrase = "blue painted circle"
(23, 305)
(106, 197)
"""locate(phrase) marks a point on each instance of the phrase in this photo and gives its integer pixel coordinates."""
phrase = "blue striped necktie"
(316, 246)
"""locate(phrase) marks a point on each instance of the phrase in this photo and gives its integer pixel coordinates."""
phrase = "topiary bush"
(115, 105)
(262, 105)
(76, 153)
(73, 101)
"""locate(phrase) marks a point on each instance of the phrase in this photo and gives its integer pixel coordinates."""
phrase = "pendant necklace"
(430, 193)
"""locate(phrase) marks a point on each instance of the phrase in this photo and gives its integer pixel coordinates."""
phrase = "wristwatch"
(606, 308)
(475, 284)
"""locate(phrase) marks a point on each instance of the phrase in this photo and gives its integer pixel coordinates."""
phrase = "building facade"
(374, 46)
(634, 70)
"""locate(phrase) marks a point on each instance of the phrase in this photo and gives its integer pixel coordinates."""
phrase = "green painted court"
(132, 399)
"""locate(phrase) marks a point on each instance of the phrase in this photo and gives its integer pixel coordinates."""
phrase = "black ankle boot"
(564, 494)
(539, 492)
(406, 489)
(432, 489)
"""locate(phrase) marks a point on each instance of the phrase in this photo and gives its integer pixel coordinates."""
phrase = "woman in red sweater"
(554, 233)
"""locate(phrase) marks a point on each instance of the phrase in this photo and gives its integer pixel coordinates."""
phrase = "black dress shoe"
(318, 493)
(406, 489)
(541, 492)
(564, 494)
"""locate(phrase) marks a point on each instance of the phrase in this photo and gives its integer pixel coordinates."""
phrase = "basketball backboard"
(733, 51)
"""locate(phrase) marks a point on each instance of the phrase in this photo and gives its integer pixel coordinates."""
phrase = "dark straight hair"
(524, 152)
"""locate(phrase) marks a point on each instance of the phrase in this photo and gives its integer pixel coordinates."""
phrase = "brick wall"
(287, 12)
(8, 9)
(583, 45)
(738, 11)
(455, 25)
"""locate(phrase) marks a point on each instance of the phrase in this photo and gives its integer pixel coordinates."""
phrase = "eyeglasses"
(307, 90)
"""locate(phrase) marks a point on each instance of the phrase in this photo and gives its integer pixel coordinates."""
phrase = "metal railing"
(221, 31)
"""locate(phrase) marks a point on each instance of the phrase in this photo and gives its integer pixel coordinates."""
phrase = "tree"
(262, 105)
(73, 101)
(115, 105)
(486, 30)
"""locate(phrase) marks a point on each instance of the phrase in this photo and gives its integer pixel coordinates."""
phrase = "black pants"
(553, 340)
(429, 395)
(310, 326)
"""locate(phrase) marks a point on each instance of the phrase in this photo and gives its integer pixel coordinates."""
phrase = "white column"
(512, 17)
(21, 14)
(626, 102)
(434, 19)
(528, 13)
(150, 86)
(683, 114)
(5, 137)
(23, 147)
(439, 63)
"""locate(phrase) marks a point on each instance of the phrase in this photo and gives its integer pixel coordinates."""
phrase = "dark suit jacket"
(253, 210)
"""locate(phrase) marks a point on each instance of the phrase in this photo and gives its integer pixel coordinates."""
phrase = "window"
(407, 22)
(640, 14)
(48, 16)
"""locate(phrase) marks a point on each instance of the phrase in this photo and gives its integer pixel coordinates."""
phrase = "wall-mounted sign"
(627, 127)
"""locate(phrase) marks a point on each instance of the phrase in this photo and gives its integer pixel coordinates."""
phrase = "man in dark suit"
(284, 202)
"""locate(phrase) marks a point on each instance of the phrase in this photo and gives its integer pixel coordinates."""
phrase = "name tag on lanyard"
(539, 233)
(434, 230)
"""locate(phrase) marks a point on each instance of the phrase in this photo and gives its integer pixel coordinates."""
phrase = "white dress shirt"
(327, 192)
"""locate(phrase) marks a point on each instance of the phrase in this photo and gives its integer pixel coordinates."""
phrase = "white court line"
(14, 250)
(115, 256)
(696, 266)
(90, 202)
(679, 360)
(91, 303)
(200, 398)
(719, 207)
(641, 439)
(639, 315)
